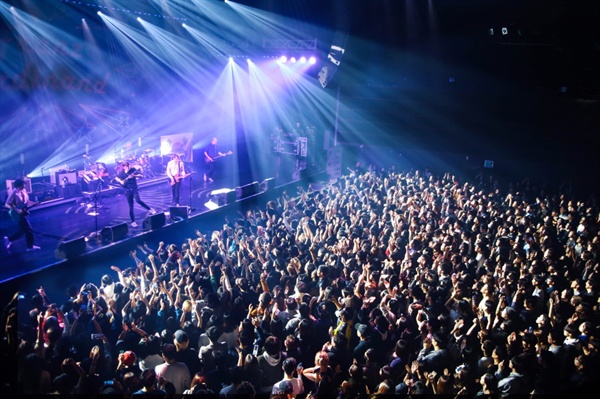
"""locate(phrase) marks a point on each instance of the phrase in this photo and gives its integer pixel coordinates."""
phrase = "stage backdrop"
(180, 143)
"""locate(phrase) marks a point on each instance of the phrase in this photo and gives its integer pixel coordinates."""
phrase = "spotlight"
(99, 12)
(282, 59)
(303, 60)
(504, 31)
(139, 19)
(249, 60)
(293, 59)
(184, 25)
(312, 60)
(230, 59)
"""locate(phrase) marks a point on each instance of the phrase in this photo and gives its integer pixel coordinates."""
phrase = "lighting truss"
(290, 44)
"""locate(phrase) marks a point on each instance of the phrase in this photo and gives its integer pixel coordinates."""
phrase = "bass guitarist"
(127, 178)
(18, 204)
(176, 173)
(211, 153)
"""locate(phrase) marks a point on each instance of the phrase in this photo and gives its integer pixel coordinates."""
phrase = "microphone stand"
(191, 184)
(96, 194)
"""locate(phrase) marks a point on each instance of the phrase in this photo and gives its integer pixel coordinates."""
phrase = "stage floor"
(67, 219)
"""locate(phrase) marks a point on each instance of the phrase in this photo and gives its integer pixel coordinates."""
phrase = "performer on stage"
(18, 204)
(211, 153)
(127, 178)
(176, 173)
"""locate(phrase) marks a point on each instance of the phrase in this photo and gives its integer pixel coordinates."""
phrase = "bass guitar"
(217, 157)
(15, 216)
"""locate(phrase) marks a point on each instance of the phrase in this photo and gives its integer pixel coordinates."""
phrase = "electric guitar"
(177, 178)
(24, 211)
(122, 182)
(217, 157)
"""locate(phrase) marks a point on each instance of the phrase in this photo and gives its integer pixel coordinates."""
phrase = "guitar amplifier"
(65, 178)
(10, 184)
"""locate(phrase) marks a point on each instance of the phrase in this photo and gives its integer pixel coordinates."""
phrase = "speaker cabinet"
(178, 212)
(267, 185)
(114, 233)
(71, 249)
(69, 191)
(247, 190)
(153, 222)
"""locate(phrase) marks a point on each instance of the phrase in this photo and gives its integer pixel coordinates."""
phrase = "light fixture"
(312, 60)
(504, 31)
(282, 59)
(303, 60)
(293, 60)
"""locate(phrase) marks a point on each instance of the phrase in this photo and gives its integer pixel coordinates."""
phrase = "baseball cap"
(362, 328)
(180, 336)
(129, 358)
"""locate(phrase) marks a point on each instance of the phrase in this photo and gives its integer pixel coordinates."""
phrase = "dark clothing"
(131, 190)
(209, 166)
(189, 356)
(24, 228)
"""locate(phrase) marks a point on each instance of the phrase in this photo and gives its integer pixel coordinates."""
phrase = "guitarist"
(210, 154)
(127, 178)
(176, 173)
(18, 204)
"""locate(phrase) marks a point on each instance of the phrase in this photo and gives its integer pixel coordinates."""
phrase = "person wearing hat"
(173, 371)
(207, 352)
(363, 331)
(126, 361)
(185, 354)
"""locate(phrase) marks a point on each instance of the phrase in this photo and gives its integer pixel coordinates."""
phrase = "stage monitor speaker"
(178, 212)
(267, 185)
(114, 233)
(227, 198)
(71, 249)
(248, 190)
(153, 222)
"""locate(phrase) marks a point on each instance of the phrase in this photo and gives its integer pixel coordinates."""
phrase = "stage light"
(139, 19)
(249, 60)
(99, 12)
(184, 25)
(312, 60)
(293, 60)
(230, 59)
(504, 31)
(282, 59)
(303, 60)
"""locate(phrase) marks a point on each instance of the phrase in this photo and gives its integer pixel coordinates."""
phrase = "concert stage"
(93, 241)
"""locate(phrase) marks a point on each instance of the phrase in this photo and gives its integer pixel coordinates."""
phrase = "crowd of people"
(378, 283)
